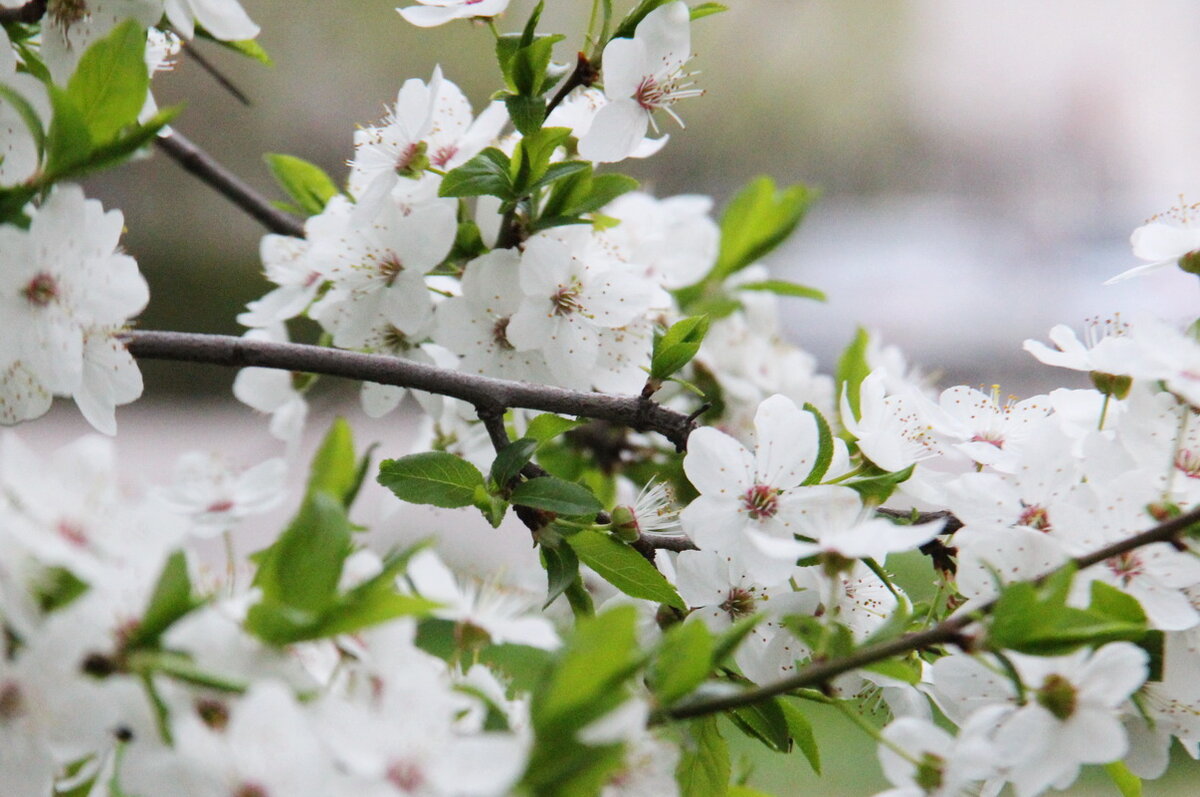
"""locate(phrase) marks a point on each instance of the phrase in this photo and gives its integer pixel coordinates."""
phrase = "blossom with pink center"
(216, 496)
(641, 75)
(750, 506)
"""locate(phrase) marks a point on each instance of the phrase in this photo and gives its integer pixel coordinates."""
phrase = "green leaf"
(112, 153)
(531, 158)
(758, 219)
(548, 426)
(304, 182)
(434, 477)
(334, 469)
(784, 288)
(824, 448)
(558, 171)
(529, 63)
(13, 202)
(57, 587)
(629, 24)
(29, 117)
(707, 9)
(527, 113)
(764, 721)
(801, 732)
(171, 600)
(360, 475)
(877, 488)
(732, 637)
(249, 48)
(677, 346)
(623, 567)
(302, 568)
(68, 141)
(1129, 784)
(511, 459)
(900, 669)
(598, 657)
(552, 494)
(683, 661)
(562, 570)
(486, 173)
(704, 766)
(110, 83)
(852, 369)
(1035, 619)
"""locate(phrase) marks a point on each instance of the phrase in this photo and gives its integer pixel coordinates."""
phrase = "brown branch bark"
(229, 185)
(487, 394)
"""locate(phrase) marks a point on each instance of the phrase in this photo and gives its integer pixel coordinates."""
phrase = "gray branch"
(488, 395)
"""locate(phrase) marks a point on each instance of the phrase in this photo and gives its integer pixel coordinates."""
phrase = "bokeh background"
(981, 167)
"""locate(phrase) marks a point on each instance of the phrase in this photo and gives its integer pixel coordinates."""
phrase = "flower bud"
(1112, 384)
(625, 525)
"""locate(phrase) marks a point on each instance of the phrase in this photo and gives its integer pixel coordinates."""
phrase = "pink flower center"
(1188, 462)
(251, 790)
(1126, 566)
(390, 268)
(566, 298)
(72, 532)
(1035, 517)
(995, 438)
(12, 704)
(213, 713)
(500, 334)
(761, 501)
(405, 776)
(739, 603)
(219, 506)
(41, 290)
(444, 154)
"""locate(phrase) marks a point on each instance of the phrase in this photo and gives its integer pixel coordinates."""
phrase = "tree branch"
(228, 184)
(946, 632)
(29, 13)
(485, 393)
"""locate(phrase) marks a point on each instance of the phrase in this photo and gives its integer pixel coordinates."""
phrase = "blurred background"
(981, 168)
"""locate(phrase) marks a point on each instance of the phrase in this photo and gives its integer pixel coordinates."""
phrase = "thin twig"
(485, 393)
(228, 184)
(29, 13)
(946, 632)
(584, 74)
(215, 74)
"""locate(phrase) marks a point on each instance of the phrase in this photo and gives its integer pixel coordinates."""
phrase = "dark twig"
(948, 631)
(952, 524)
(29, 13)
(584, 74)
(228, 184)
(215, 74)
(485, 393)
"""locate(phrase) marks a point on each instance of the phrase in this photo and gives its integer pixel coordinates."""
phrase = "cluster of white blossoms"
(493, 244)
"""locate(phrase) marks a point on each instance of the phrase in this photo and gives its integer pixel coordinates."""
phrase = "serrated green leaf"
(1108, 601)
(171, 600)
(562, 570)
(683, 661)
(304, 182)
(109, 85)
(547, 426)
(529, 63)
(511, 459)
(677, 346)
(706, 9)
(68, 141)
(765, 721)
(852, 369)
(824, 448)
(302, 568)
(801, 732)
(704, 767)
(557, 171)
(527, 113)
(758, 219)
(485, 174)
(877, 488)
(598, 657)
(433, 477)
(29, 117)
(334, 468)
(784, 288)
(552, 494)
(531, 158)
(623, 567)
